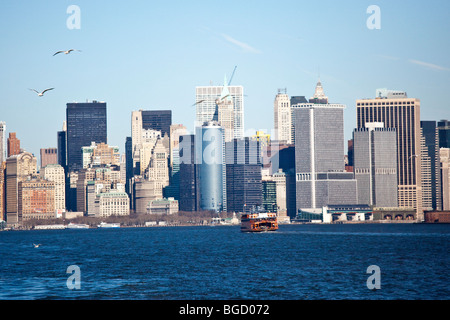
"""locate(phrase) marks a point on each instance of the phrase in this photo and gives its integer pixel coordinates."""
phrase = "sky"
(151, 55)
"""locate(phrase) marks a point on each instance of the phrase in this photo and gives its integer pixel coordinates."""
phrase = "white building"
(55, 173)
(162, 206)
(282, 118)
(205, 99)
(112, 203)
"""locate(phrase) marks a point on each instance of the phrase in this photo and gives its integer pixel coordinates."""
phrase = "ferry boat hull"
(259, 222)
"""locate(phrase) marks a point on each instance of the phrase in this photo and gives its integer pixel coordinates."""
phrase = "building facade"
(210, 157)
(36, 199)
(3, 144)
(55, 173)
(396, 110)
(375, 165)
(86, 123)
(282, 118)
(430, 166)
(49, 156)
(319, 155)
(206, 104)
(13, 144)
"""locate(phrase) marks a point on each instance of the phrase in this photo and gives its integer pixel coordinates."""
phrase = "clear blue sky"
(152, 55)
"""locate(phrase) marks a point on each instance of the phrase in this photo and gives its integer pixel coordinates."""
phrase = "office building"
(49, 156)
(282, 117)
(189, 188)
(397, 111)
(86, 123)
(375, 165)
(3, 145)
(206, 104)
(112, 203)
(2, 191)
(243, 175)
(443, 127)
(162, 206)
(431, 173)
(62, 147)
(13, 144)
(210, 157)
(55, 173)
(444, 156)
(144, 191)
(319, 154)
(18, 168)
(36, 199)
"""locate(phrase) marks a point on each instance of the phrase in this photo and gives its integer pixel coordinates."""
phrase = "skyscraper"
(244, 180)
(396, 110)
(62, 148)
(431, 176)
(282, 117)
(3, 147)
(210, 157)
(86, 123)
(375, 165)
(189, 175)
(13, 144)
(205, 99)
(319, 154)
(444, 133)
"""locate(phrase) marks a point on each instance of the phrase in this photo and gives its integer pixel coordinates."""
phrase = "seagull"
(66, 52)
(197, 102)
(36, 245)
(40, 94)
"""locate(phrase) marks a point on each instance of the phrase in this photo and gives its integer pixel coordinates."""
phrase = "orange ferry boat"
(259, 222)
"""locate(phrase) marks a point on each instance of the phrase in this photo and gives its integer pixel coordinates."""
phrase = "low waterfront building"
(395, 213)
(162, 206)
(112, 204)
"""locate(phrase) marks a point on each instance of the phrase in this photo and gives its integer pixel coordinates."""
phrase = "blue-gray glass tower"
(86, 123)
(210, 157)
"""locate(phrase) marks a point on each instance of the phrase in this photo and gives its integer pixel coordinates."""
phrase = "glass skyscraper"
(86, 123)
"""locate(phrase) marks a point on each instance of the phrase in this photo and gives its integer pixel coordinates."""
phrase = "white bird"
(65, 52)
(36, 245)
(40, 94)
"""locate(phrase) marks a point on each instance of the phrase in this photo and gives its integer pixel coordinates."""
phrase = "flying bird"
(66, 52)
(40, 94)
(36, 245)
(197, 102)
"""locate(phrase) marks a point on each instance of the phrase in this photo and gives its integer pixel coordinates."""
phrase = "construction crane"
(231, 78)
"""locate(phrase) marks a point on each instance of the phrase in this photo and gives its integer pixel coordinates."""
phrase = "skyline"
(152, 56)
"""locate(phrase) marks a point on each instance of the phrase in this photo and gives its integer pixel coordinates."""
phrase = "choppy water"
(173, 263)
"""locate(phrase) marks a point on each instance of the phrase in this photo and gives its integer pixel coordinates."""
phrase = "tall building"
(282, 117)
(444, 133)
(396, 110)
(55, 173)
(210, 157)
(444, 155)
(319, 154)
(13, 144)
(62, 150)
(243, 175)
(431, 173)
(18, 168)
(2, 191)
(146, 126)
(206, 101)
(375, 165)
(189, 188)
(49, 156)
(86, 123)
(3, 146)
